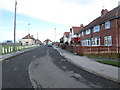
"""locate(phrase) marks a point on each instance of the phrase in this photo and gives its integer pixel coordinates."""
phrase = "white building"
(28, 40)
(66, 37)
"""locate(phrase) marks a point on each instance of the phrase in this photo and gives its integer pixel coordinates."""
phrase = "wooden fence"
(4, 49)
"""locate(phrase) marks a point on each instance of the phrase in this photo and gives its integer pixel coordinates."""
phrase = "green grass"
(113, 63)
(102, 57)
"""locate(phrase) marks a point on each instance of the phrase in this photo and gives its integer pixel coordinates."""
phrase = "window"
(96, 41)
(83, 42)
(107, 25)
(86, 42)
(82, 33)
(87, 31)
(97, 28)
(108, 40)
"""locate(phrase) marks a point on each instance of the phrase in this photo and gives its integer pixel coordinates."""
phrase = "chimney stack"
(81, 25)
(104, 11)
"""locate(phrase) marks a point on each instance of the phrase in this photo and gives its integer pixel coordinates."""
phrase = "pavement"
(106, 71)
(9, 55)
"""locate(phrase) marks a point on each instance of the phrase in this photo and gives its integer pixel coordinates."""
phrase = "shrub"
(66, 43)
(63, 46)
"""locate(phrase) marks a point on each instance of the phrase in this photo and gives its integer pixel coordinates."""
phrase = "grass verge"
(113, 63)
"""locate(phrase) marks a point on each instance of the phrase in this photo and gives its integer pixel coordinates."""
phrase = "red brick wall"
(103, 32)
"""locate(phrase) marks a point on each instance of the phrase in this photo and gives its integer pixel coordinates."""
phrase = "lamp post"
(15, 24)
(55, 34)
(28, 32)
(28, 27)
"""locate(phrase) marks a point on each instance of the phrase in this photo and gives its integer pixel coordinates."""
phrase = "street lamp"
(55, 34)
(15, 24)
(28, 27)
(28, 32)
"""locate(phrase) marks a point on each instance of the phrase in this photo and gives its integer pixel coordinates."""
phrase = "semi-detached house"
(74, 33)
(103, 31)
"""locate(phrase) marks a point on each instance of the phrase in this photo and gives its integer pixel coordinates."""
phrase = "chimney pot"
(104, 11)
(81, 25)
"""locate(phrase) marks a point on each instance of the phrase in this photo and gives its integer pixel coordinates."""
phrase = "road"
(44, 67)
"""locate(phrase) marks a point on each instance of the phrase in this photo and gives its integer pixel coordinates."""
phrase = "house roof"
(47, 40)
(67, 34)
(28, 37)
(77, 29)
(37, 40)
(108, 16)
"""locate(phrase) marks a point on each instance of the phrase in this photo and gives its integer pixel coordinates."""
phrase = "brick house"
(28, 40)
(103, 31)
(74, 33)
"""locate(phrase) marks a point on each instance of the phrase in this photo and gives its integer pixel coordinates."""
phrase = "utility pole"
(55, 34)
(28, 33)
(28, 27)
(15, 24)
(37, 35)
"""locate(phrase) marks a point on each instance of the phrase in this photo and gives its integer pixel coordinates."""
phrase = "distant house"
(66, 37)
(74, 33)
(47, 41)
(8, 42)
(37, 41)
(28, 40)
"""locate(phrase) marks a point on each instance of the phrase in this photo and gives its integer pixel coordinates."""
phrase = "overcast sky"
(46, 15)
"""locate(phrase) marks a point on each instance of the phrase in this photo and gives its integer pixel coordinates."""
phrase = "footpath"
(102, 70)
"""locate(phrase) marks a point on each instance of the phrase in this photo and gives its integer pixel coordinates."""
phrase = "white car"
(49, 44)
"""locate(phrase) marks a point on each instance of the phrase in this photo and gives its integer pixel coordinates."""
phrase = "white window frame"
(88, 42)
(88, 31)
(108, 40)
(82, 33)
(107, 25)
(94, 41)
(96, 28)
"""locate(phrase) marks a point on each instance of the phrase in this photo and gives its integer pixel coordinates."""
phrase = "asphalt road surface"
(44, 67)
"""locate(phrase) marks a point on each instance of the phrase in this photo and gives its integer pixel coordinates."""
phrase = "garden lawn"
(113, 63)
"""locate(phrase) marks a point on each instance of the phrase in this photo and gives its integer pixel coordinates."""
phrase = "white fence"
(9, 49)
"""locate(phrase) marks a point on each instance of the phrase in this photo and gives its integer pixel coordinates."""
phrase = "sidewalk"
(3, 57)
(102, 70)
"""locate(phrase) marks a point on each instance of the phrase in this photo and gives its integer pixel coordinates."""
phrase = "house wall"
(102, 33)
(66, 39)
(119, 30)
(30, 42)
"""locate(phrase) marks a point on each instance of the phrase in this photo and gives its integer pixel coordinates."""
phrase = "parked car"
(49, 44)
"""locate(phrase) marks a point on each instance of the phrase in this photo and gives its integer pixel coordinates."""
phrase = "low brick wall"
(69, 48)
(97, 51)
